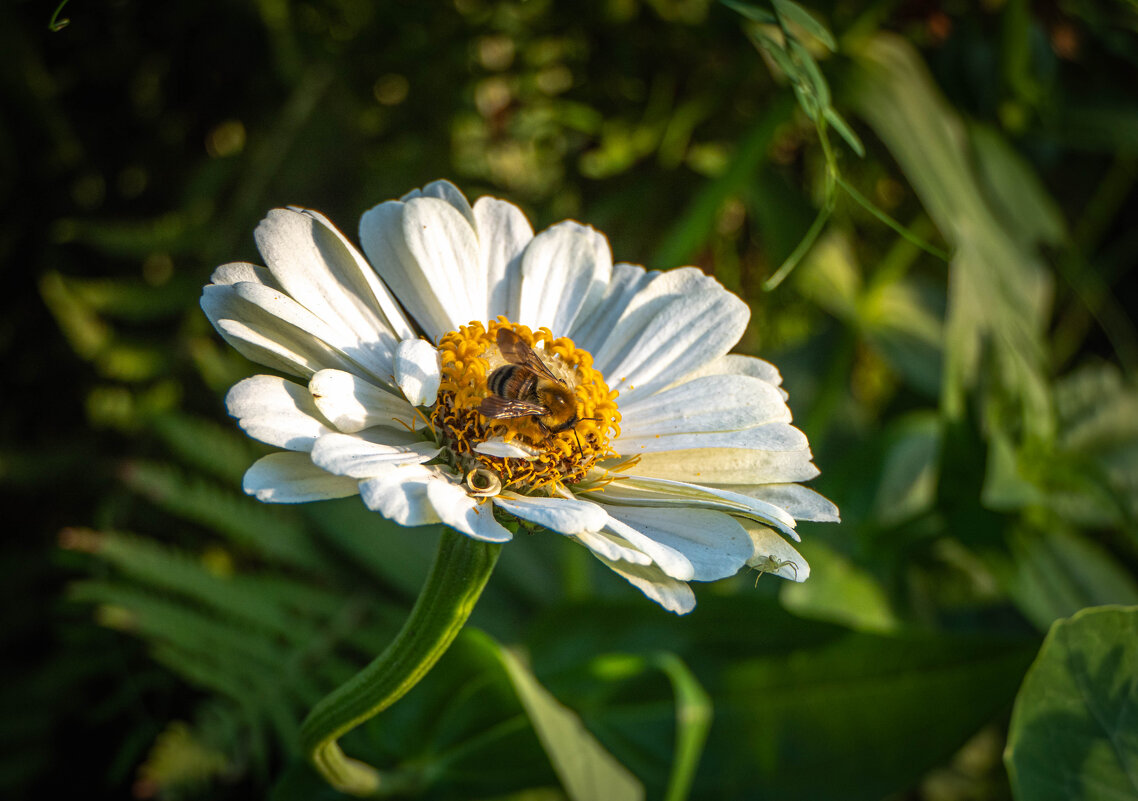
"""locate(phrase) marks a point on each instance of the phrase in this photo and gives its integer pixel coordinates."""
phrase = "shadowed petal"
(277, 412)
(675, 596)
(801, 503)
(687, 544)
(348, 455)
(564, 272)
(680, 321)
(772, 554)
(268, 327)
(463, 513)
(400, 494)
(503, 233)
(563, 515)
(729, 466)
(353, 404)
(417, 371)
(287, 477)
(319, 269)
(707, 404)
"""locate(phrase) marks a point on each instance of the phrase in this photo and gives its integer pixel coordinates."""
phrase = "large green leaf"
(863, 717)
(803, 709)
(1074, 730)
(587, 771)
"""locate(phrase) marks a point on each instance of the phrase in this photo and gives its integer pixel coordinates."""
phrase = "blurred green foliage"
(954, 187)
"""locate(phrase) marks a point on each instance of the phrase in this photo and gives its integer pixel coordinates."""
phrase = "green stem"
(460, 571)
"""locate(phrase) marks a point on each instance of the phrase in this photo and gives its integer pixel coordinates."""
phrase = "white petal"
(377, 292)
(319, 269)
(675, 596)
(353, 404)
(713, 543)
(348, 455)
(563, 515)
(417, 371)
(710, 403)
(515, 449)
(286, 477)
(681, 320)
(448, 192)
(503, 233)
(738, 364)
(772, 554)
(277, 412)
(801, 503)
(564, 272)
(400, 494)
(590, 331)
(268, 327)
(381, 235)
(665, 557)
(634, 306)
(777, 437)
(238, 272)
(611, 546)
(642, 491)
(465, 514)
(445, 248)
(729, 466)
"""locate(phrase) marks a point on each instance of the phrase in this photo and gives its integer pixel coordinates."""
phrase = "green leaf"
(771, 43)
(272, 532)
(693, 710)
(166, 568)
(862, 718)
(751, 12)
(904, 323)
(587, 771)
(811, 74)
(1098, 447)
(847, 593)
(1000, 289)
(219, 450)
(839, 124)
(173, 232)
(136, 300)
(1059, 572)
(791, 12)
(803, 709)
(1073, 735)
(1014, 190)
(461, 732)
(909, 470)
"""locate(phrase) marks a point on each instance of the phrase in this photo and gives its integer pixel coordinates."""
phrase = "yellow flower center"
(469, 356)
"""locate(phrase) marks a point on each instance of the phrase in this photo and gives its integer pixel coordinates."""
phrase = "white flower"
(681, 465)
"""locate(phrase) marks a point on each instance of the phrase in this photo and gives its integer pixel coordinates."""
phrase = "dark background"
(141, 143)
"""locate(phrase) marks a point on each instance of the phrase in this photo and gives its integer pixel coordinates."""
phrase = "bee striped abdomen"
(510, 381)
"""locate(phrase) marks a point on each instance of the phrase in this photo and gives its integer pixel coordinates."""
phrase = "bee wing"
(516, 351)
(498, 408)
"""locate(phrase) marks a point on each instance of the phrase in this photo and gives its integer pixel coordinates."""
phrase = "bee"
(525, 387)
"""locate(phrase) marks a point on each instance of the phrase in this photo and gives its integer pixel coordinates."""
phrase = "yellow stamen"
(468, 356)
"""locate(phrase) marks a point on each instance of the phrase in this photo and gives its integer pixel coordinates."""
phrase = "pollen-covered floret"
(468, 356)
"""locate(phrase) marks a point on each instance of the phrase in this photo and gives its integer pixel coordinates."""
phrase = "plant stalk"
(461, 568)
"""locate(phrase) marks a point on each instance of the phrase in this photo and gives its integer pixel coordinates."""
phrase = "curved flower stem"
(460, 571)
